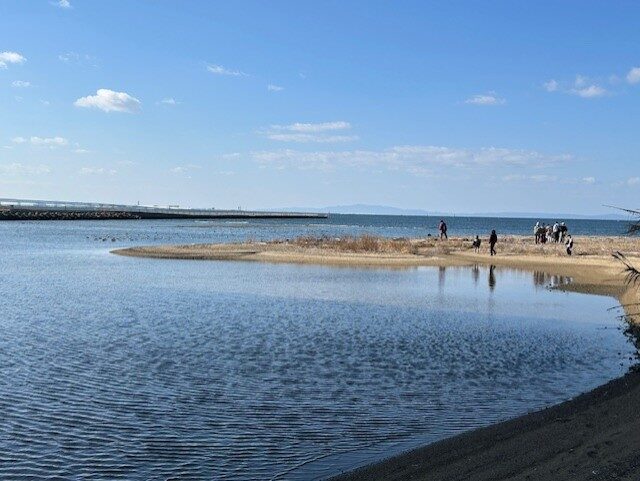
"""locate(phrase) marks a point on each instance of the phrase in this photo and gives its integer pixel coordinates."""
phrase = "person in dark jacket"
(569, 244)
(493, 240)
(442, 227)
(476, 244)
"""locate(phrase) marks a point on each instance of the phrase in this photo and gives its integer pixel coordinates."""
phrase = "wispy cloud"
(51, 142)
(311, 127)
(590, 91)
(486, 99)
(169, 101)
(220, 70)
(110, 101)
(24, 169)
(7, 58)
(324, 132)
(581, 86)
(274, 88)
(20, 84)
(79, 59)
(589, 180)
(413, 159)
(633, 181)
(97, 171)
(65, 4)
(633, 77)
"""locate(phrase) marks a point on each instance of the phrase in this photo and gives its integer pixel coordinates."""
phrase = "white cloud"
(80, 59)
(590, 91)
(10, 57)
(513, 177)
(543, 178)
(633, 180)
(304, 138)
(220, 70)
(62, 4)
(414, 159)
(486, 99)
(49, 141)
(529, 178)
(274, 88)
(633, 77)
(22, 169)
(81, 151)
(310, 132)
(589, 180)
(18, 140)
(309, 127)
(68, 57)
(110, 101)
(20, 84)
(169, 101)
(581, 86)
(97, 171)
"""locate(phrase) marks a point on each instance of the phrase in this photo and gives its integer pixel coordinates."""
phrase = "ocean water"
(121, 368)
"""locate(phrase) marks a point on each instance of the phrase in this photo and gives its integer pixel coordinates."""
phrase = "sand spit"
(591, 267)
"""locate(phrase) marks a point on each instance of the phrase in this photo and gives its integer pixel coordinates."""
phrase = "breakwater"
(18, 209)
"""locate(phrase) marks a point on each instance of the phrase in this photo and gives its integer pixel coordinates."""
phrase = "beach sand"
(595, 436)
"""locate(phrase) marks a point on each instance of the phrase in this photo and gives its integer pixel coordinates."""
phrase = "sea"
(115, 367)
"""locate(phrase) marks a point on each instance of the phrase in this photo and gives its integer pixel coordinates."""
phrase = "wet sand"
(595, 436)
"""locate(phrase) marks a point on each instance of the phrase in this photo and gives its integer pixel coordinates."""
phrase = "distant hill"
(367, 209)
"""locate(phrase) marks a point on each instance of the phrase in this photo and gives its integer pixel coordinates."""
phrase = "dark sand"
(595, 436)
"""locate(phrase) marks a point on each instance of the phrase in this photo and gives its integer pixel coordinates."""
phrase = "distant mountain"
(367, 209)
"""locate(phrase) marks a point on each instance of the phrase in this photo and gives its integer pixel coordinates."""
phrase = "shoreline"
(592, 436)
(592, 267)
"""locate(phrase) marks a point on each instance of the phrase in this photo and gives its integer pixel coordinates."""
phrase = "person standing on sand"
(536, 232)
(493, 240)
(476, 244)
(443, 229)
(569, 244)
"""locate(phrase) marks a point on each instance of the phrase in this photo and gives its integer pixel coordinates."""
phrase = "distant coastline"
(366, 209)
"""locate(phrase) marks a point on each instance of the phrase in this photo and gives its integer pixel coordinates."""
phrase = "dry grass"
(433, 246)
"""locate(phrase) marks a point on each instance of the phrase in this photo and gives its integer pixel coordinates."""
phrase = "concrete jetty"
(23, 209)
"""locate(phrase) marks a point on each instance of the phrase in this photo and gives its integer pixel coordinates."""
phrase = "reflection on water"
(492, 278)
(136, 369)
(548, 280)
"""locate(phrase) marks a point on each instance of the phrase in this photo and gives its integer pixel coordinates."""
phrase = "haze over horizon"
(438, 107)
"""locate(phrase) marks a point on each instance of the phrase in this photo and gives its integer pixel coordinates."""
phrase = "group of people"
(543, 233)
(558, 232)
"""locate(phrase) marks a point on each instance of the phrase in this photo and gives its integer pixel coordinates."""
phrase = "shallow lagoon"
(152, 369)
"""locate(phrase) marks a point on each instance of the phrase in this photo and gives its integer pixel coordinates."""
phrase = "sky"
(446, 106)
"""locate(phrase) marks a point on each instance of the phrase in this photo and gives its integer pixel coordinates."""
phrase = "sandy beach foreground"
(595, 436)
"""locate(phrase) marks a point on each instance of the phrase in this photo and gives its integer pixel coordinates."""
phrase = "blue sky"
(444, 106)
